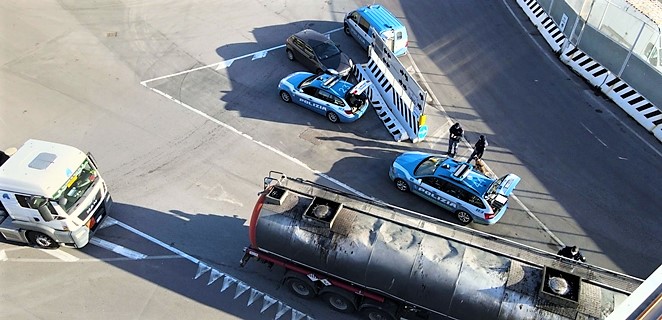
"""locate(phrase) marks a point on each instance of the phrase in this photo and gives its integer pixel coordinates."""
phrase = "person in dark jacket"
(479, 148)
(455, 134)
(571, 253)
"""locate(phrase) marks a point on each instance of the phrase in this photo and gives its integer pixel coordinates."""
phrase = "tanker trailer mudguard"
(387, 262)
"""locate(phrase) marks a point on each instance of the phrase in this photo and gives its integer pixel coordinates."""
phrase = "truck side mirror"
(45, 213)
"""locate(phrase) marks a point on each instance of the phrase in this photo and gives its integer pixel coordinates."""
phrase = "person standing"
(455, 134)
(479, 148)
(571, 253)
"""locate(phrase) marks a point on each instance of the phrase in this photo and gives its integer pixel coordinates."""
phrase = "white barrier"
(657, 132)
(552, 34)
(588, 68)
(633, 103)
(402, 108)
(642, 110)
(545, 24)
(381, 108)
(532, 9)
(400, 74)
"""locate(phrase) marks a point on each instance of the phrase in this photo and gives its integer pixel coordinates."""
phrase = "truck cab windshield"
(74, 189)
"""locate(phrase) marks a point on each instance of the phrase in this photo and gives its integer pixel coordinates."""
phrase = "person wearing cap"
(455, 134)
(571, 252)
(479, 148)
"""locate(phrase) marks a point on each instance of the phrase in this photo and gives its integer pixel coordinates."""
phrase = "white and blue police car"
(453, 185)
(326, 94)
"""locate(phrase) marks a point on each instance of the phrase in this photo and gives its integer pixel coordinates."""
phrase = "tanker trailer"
(386, 262)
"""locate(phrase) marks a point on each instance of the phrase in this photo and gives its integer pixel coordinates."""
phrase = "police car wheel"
(346, 29)
(401, 185)
(290, 55)
(464, 217)
(285, 96)
(332, 117)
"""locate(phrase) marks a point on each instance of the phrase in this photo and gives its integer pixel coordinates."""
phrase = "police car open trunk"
(499, 191)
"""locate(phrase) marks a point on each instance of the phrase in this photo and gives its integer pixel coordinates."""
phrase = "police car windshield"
(428, 166)
(326, 50)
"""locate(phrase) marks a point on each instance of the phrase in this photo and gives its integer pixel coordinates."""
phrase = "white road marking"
(593, 134)
(266, 146)
(566, 72)
(227, 63)
(224, 64)
(468, 146)
(117, 249)
(105, 260)
(260, 55)
(241, 287)
(3, 255)
(650, 146)
(299, 162)
(60, 255)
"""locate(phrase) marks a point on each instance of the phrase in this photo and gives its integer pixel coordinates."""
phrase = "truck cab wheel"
(41, 240)
(376, 314)
(339, 302)
(300, 287)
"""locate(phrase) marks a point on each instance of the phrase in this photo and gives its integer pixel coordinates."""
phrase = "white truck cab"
(50, 195)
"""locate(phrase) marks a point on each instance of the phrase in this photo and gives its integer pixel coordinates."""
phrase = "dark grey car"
(317, 52)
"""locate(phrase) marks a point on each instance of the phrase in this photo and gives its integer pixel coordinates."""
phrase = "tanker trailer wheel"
(376, 314)
(401, 185)
(342, 302)
(464, 217)
(300, 287)
(41, 240)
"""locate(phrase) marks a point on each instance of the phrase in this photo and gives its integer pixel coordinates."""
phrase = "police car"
(453, 185)
(326, 94)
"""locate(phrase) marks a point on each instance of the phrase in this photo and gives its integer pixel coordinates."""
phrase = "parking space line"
(268, 147)
(60, 255)
(226, 63)
(228, 280)
(3, 255)
(117, 249)
(297, 161)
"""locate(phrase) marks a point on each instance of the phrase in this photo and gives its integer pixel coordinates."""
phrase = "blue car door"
(309, 99)
(430, 189)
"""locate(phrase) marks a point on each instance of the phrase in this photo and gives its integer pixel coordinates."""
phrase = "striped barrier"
(626, 97)
(382, 110)
(583, 64)
(532, 9)
(410, 86)
(657, 132)
(552, 33)
(401, 107)
(545, 24)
